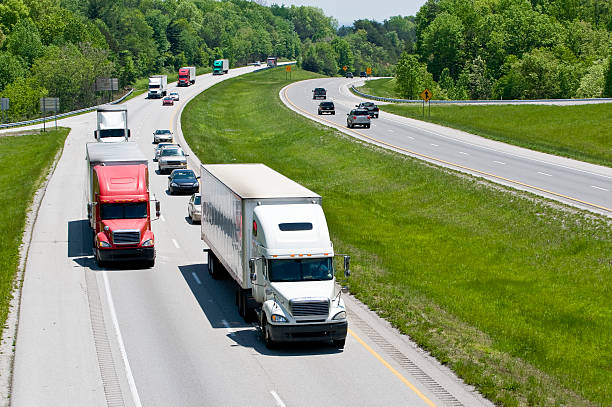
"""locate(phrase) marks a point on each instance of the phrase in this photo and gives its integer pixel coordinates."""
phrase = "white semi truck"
(270, 235)
(158, 86)
(112, 124)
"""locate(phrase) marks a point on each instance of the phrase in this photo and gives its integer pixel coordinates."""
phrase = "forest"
(460, 49)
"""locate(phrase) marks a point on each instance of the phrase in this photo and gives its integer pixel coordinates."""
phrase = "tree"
(592, 83)
(343, 51)
(443, 44)
(24, 95)
(11, 12)
(24, 41)
(478, 81)
(11, 68)
(607, 89)
(408, 76)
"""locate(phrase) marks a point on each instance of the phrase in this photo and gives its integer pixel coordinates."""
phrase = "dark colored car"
(349, 74)
(327, 107)
(183, 181)
(168, 101)
(370, 107)
(319, 93)
(363, 74)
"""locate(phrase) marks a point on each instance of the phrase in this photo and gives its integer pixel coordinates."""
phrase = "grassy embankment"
(384, 87)
(582, 132)
(24, 162)
(510, 292)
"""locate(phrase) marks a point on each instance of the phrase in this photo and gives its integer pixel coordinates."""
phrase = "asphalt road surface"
(574, 182)
(172, 336)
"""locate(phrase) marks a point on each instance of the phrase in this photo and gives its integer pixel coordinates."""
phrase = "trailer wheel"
(215, 269)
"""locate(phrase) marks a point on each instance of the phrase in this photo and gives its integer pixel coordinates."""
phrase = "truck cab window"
(301, 269)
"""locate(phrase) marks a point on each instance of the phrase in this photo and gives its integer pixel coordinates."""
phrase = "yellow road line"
(395, 372)
(451, 163)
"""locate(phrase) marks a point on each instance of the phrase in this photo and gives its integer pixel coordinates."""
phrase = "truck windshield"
(112, 133)
(137, 210)
(153, 86)
(301, 269)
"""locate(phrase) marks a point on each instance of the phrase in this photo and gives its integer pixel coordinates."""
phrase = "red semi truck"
(118, 203)
(186, 76)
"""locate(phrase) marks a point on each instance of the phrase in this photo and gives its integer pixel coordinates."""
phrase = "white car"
(159, 147)
(175, 96)
(171, 158)
(162, 135)
(194, 208)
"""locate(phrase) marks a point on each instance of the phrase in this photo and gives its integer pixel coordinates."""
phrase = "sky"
(347, 11)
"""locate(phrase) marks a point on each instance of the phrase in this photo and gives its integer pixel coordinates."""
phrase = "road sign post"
(4, 106)
(426, 95)
(107, 84)
(49, 105)
(288, 71)
(368, 71)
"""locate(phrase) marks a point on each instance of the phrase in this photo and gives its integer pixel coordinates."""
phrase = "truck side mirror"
(157, 208)
(347, 271)
(252, 269)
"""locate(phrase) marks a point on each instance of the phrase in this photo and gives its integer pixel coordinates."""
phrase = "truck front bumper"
(144, 253)
(308, 333)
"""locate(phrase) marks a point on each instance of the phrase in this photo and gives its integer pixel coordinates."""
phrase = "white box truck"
(270, 235)
(220, 66)
(158, 86)
(112, 124)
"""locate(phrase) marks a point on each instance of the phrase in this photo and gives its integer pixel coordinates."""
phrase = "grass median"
(24, 162)
(509, 290)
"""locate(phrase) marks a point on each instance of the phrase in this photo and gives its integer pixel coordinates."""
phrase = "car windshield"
(136, 210)
(361, 113)
(301, 269)
(327, 104)
(171, 152)
(162, 131)
(197, 200)
(183, 174)
(153, 86)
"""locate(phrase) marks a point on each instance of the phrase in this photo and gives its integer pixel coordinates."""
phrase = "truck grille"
(174, 162)
(126, 237)
(310, 307)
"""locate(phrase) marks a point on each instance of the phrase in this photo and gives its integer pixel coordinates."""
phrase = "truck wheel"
(215, 269)
(265, 331)
(99, 260)
(339, 343)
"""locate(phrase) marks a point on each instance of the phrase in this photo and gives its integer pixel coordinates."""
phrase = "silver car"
(162, 135)
(159, 147)
(171, 158)
(358, 117)
(194, 208)
(175, 96)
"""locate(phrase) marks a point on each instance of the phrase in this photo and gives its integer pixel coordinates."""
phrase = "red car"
(168, 101)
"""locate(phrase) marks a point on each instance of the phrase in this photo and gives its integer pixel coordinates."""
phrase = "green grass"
(384, 87)
(142, 85)
(582, 132)
(24, 161)
(510, 291)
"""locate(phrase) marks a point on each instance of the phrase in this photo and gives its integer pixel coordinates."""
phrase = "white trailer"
(270, 235)
(220, 66)
(158, 86)
(112, 124)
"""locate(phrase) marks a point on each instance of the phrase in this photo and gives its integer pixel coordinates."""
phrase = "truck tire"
(265, 331)
(99, 260)
(215, 269)
(339, 343)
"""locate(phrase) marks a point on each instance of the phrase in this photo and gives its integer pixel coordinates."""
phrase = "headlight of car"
(173, 184)
(278, 318)
(147, 243)
(102, 243)
(340, 316)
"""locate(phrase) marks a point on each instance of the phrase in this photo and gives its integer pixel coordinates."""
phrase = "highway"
(172, 336)
(573, 182)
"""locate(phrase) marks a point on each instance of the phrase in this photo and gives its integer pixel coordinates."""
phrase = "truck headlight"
(102, 243)
(147, 243)
(340, 316)
(278, 318)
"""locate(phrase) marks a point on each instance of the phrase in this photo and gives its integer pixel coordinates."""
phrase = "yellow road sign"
(369, 70)
(288, 68)
(426, 95)
(344, 68)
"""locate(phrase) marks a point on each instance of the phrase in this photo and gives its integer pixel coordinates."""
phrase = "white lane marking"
(228, 327)
(410, 137)
(596, 187)
(176, 244)
(499, 162)
(390, 131)
(278, 400)
(435, 145)
(463, 153)
(162, 218)
(195, 277)
(126, 363)
(543, 173)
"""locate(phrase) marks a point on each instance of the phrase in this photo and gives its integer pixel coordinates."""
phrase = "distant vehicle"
(175, 96)
(327, 107)
(158, 86)
(272, 61)
(183, 181)
(171, 158)
(159, 147)
(349, 74)
(168, 101)
(319, 93)
(220, 66)
(257, 63)
(363, 74)
(358, 117)
(194, 208)
(370, 107)
(112, 124)
(186, 76)
(162, 135)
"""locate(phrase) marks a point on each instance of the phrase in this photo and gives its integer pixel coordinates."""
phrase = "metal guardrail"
(365, 95)
(40, 120)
